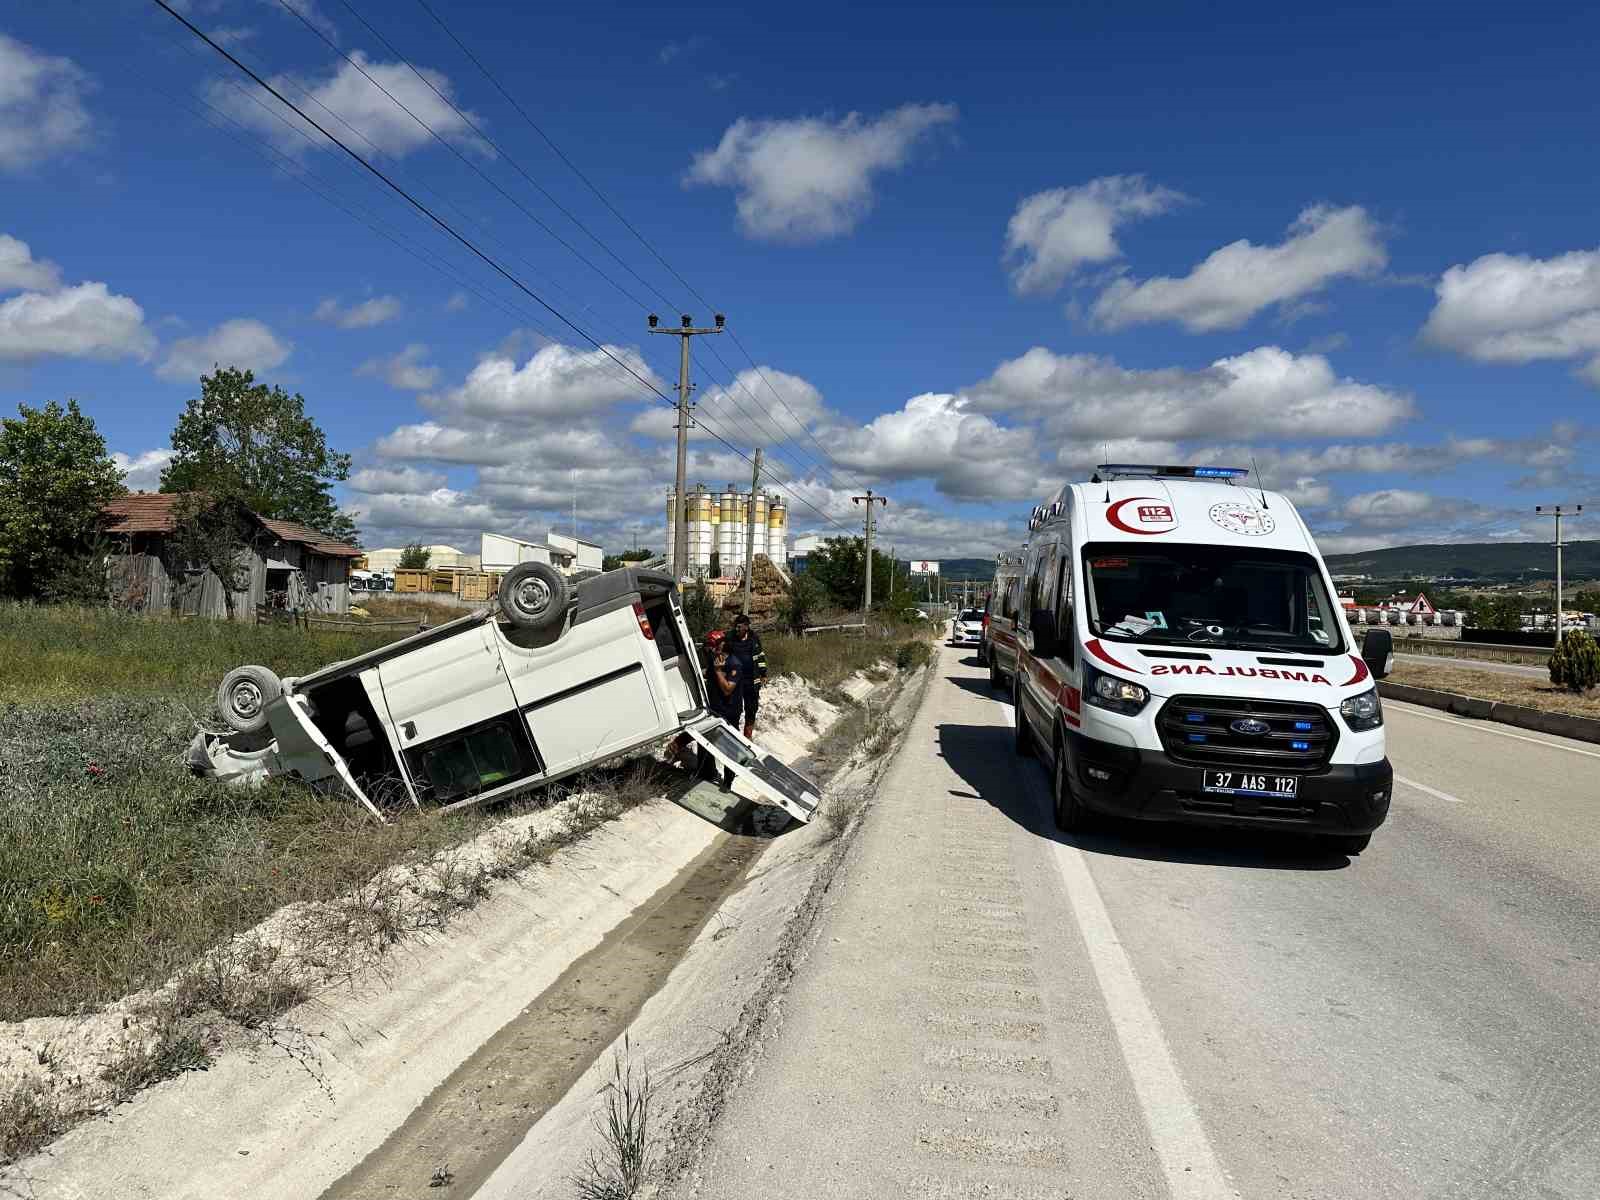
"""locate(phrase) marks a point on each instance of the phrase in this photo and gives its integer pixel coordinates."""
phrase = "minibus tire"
(994, 675)
(1350, 844)
(1025, 746)
(533, 595)
(1071, 817)
(243, 696)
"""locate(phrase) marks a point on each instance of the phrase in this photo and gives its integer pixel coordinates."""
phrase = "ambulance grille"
(1200, 730)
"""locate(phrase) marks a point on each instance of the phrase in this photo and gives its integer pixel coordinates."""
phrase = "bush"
(797, 609)
(912, 654)
(700, 611)
(1576, 663)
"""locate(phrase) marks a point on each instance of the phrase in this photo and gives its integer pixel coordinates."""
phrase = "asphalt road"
(1477, 664)
(991, 1010)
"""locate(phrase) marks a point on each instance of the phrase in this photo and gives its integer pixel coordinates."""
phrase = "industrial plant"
(719, 526)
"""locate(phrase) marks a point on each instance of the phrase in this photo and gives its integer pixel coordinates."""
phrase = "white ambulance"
(1182, 657)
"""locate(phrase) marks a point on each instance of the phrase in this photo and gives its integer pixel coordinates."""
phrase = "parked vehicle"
(1000, 621)
(1181, 658)
(966, 627)
(548, 681)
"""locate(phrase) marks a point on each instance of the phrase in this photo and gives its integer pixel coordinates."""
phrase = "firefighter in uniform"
(745, 646)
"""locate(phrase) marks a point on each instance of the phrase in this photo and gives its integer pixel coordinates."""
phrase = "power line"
(445, 226)
(645, 242)
(403, 107)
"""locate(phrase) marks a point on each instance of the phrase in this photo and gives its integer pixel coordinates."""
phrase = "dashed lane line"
(1428, 791)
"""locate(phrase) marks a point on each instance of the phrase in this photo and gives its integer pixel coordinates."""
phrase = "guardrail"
(1454, 649)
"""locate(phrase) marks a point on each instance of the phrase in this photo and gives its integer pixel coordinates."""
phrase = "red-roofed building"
(291, 566)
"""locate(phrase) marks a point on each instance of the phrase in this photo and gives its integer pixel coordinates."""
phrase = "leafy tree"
(243, 441)
(55, 477)
(415, 557)
(837, 565)
(1498, 612)
(1586, 600)
(612, 561)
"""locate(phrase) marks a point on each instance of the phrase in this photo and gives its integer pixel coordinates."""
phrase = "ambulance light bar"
(1146, 470)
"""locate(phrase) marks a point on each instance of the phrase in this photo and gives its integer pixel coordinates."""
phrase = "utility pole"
(750, 534)
(680, 507)
(894, 569)
(869, 500)
(1556, 511)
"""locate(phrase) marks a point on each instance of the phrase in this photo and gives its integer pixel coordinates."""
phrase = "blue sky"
(969, 249)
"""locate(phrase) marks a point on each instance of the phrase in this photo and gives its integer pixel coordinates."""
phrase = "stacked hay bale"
(766, 594)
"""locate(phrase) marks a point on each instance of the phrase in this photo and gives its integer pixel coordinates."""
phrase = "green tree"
(798, 608)
(1586, 600)
(243, 441)
(415, 557)
(699, 611)
(1498, 612)
(837, 566)
(1575, 665)
(55, 477)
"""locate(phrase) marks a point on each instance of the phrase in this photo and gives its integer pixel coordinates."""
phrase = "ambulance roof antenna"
(1104, 453)
(1259, 487)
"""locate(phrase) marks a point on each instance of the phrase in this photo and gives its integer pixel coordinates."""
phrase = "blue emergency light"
(1146, 470)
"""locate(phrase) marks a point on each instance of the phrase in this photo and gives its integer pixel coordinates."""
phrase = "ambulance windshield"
(1225, 596)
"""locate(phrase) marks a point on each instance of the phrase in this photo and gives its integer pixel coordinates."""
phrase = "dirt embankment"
(298, 1102)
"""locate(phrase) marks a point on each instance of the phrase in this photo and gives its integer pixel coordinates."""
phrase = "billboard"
(924, 567)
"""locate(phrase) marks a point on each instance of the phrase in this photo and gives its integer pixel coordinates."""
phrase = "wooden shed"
(290, 567)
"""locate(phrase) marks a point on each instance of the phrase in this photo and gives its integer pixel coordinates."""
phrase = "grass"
(618, 1168)
(60, 654)
(1529, 691)
(827, 659)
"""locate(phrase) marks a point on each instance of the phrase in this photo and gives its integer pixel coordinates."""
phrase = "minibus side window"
(1064, 627)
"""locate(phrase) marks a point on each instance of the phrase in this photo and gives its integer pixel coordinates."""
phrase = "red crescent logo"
(1114, 516)
(1361, 672)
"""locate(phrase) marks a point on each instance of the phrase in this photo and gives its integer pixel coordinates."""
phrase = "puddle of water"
(473, 1120)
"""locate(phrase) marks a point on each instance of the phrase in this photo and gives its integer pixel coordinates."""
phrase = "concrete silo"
(730, 531)
(778, 532)
(700, 531)
(759, 542)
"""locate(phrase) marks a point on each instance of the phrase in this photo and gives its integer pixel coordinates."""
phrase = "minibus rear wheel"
(1071, 817)
(1025, 748)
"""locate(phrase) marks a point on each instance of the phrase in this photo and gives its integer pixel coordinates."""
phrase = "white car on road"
(966, 627)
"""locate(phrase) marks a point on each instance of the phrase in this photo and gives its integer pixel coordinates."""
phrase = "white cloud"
(360, 105)
(1236, 282)
(404, 370)
(456, 303)
(729, 406)
(142, 472)
(558, 381)
(242, 342)
(1264, 392)
(967, 454)
(365, 315)
(85, 321)
(810, 178)
(1055, 232)
(41, 105)
(1391, 506)
(396, 479)
(689, 45)
(1510, 308)
(20, 271)
(309, 10)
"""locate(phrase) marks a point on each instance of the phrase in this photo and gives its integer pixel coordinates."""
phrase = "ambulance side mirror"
(1377, 651)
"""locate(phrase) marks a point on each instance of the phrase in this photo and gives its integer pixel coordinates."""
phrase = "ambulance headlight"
(1362, 712)
(1118, 695)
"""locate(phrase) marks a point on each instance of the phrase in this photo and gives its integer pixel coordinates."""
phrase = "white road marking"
(1176, 1133)
(1484, 727)
(1179, 1139)
(1424, 788)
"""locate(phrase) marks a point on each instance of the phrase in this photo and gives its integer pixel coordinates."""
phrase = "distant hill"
(1493, 561)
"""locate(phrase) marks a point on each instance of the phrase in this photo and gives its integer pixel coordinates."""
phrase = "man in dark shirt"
(745, 646)
(726, 692)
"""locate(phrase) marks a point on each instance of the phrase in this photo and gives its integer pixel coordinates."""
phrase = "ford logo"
(1250, 725)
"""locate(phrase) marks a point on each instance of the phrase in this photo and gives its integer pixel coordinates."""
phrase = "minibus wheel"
(1351, 844)
(1025, 747)
(533, 595)
(1071, 817)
